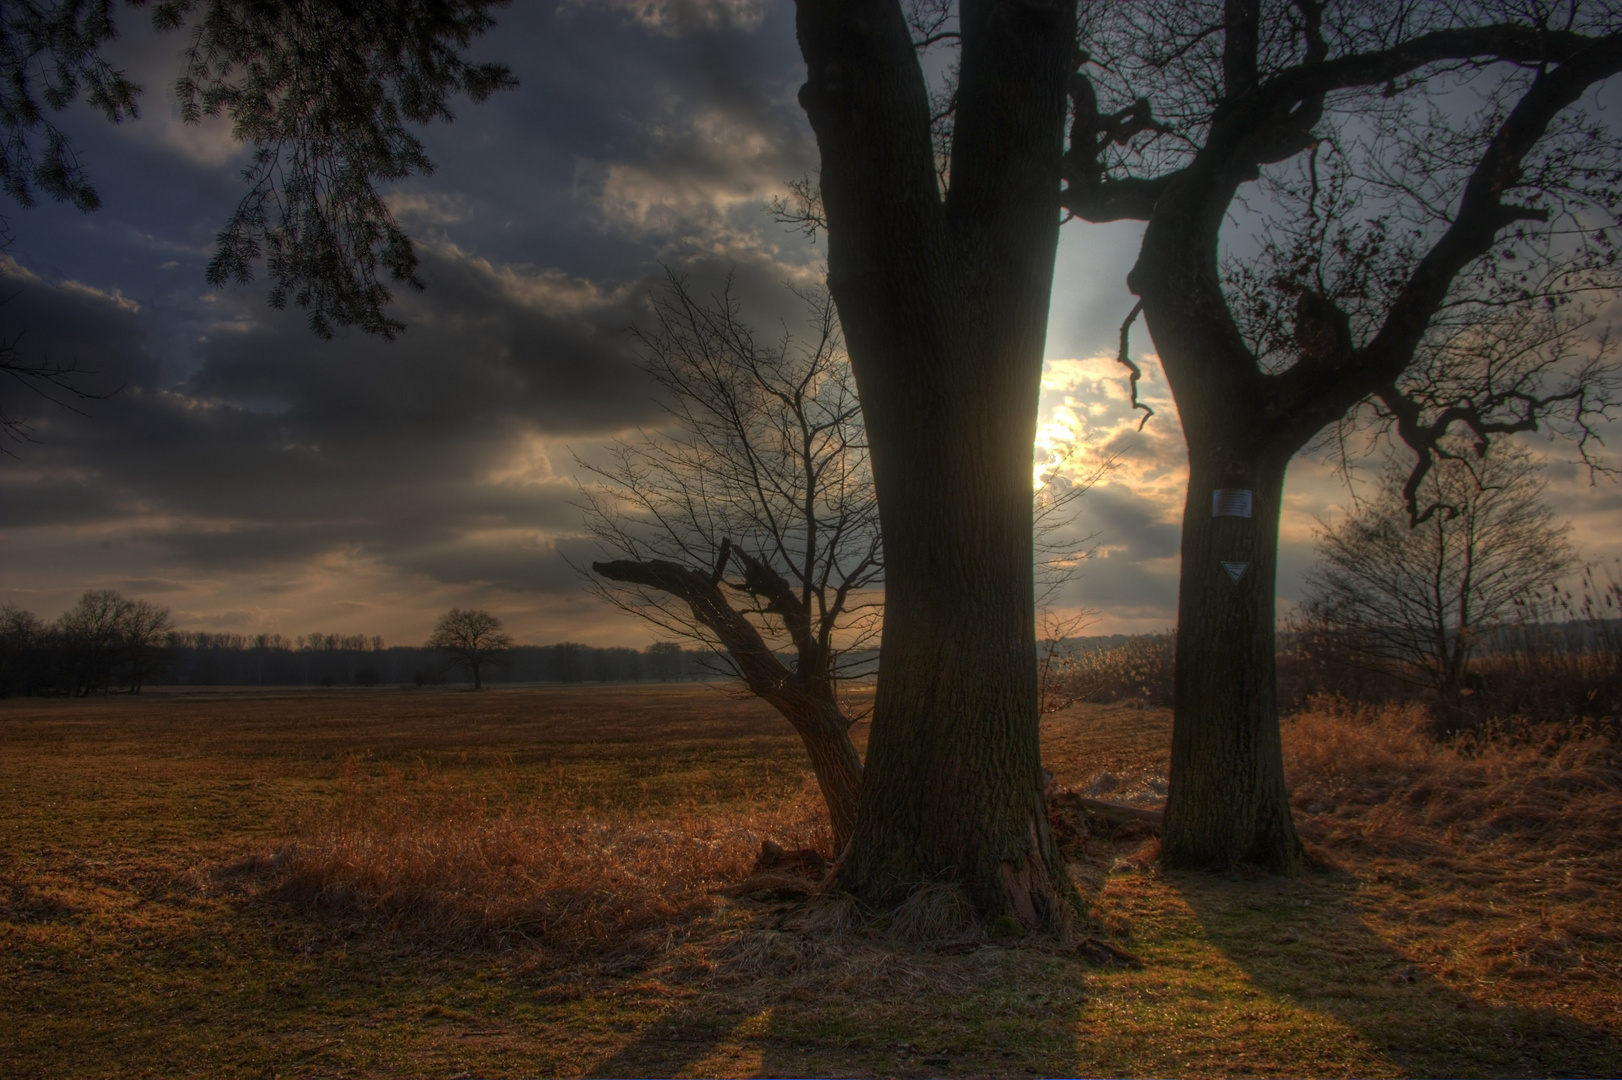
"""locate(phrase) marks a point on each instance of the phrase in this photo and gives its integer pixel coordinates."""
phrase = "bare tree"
(92, 635)
(145, 639)
(1060, 557)
(473, 638)
(942, 219)
(1414, 601)
(762, 475)
(1391, 183)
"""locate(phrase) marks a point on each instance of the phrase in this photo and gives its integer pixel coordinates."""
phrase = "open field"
(522, 882)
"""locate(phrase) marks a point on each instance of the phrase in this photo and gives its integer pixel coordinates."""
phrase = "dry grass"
(417, 853)
(1495, 858)
(1376, 781)
(524, 883)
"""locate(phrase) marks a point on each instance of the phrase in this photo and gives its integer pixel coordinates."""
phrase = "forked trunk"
(1227, 802)
(943, 300)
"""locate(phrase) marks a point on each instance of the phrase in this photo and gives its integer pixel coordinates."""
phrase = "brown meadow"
(531, 881)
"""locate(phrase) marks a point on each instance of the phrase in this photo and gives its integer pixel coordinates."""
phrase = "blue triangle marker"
(1236, 570)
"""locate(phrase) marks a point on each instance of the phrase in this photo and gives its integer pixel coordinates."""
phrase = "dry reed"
(1139, 669)
(1498, 854)
(1374, 775)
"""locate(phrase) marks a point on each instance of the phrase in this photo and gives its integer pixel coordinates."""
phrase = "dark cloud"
(152, 585)
(442, 455)
(1126, 590)
(281, 447)
(1132, 527)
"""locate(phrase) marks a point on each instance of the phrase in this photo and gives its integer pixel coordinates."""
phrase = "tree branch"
(1482, 211)
(762, 670)
(1125, 357)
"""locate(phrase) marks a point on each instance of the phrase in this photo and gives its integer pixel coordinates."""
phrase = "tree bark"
(1227, 802)
(824, 731)
(944, 302)
(954, 784)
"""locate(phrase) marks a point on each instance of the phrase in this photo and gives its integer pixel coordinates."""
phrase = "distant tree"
(24, 646)
(763, 475)
(665, 661)
(92, 638)
(567, 662)
(472, 638)
(1413, 602)
(144, 641)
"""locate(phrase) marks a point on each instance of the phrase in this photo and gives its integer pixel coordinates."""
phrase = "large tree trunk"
(944, 307)
(1227, 802)
(954, 777)
(954, 787)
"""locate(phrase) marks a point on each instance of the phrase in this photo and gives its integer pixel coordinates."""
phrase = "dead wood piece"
(770, 886)
(1114, 813)
(1101, 953)
(774, 857)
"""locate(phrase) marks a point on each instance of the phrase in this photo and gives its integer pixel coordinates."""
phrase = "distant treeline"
(107, 643)
(203, 659)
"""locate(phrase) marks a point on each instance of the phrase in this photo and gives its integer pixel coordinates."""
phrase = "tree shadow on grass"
(683, 1043)
(1305, 941)
(863, 1009)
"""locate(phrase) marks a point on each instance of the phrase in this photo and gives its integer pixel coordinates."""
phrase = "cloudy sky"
(256, 479)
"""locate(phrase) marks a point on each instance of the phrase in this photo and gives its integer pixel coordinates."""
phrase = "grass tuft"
(936, 912)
